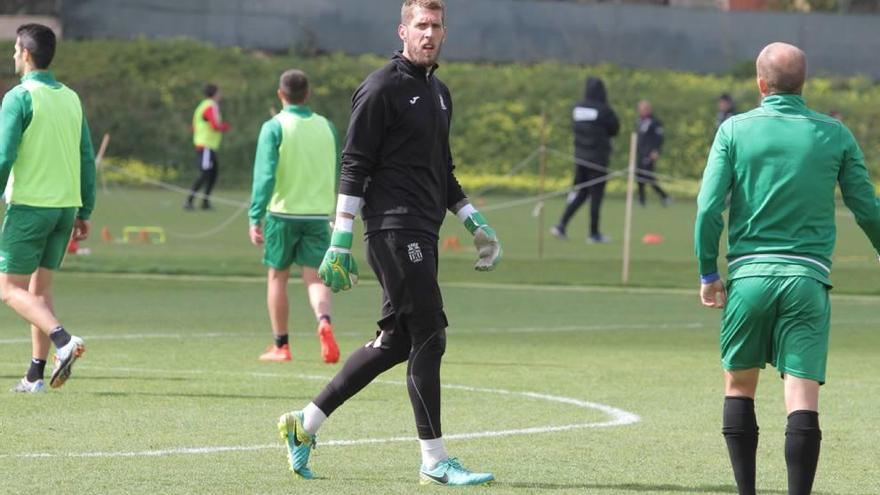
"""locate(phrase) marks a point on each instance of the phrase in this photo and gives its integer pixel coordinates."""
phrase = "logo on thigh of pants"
(414, 252)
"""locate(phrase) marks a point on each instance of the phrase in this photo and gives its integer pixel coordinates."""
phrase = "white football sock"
(313, 418)
(433, 452)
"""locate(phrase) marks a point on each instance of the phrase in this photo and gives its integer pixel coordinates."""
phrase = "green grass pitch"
(169, 397)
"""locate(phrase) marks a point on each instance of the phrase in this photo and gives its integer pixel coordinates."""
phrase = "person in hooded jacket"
(594, 123)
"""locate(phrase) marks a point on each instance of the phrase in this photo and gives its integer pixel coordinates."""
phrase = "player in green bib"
(47, 167)
(779, 164)
(295, 174)
(208, 129)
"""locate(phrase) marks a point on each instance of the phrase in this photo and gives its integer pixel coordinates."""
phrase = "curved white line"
(617, 417)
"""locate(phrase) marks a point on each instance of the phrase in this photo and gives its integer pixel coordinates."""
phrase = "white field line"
(369, 334)
(456, 285)
(616, 417)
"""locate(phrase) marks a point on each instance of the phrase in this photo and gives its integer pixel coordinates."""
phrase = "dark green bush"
(143, 93)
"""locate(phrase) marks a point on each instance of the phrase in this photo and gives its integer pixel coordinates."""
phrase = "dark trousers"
(595, 192)
(413, 329)
(645, 175)
(207, 162)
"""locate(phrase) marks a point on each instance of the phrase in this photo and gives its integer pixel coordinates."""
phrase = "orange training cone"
(650, 238)
(452, 243)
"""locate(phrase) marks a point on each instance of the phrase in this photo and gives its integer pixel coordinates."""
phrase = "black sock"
(281, 340)
(36, 370)
(59, 337)
(802, 439)
(324, 317)
(741, 433)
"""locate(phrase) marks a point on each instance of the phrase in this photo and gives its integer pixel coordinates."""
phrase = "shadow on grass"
(502, 364)
(132, 378)
(199, 395)
(640, 487)
(81, 378)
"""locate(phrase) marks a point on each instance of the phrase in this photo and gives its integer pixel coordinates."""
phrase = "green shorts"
(290, 241)
(783, 321)
(34, 237)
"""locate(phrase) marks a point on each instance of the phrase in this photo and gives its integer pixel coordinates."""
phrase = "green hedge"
(143, 93)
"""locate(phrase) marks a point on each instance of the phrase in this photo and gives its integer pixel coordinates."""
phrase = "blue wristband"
(709, 278)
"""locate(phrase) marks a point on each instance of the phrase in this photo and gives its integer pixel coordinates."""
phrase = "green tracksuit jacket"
(779, 165)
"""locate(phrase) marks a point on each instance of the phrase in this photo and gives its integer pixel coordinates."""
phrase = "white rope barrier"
(513, 171)
(597, 167)
(241, 206)
(172, 187)
(541, 197)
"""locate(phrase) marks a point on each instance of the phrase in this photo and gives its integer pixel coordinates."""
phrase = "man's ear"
(401, 32)
(762, 85)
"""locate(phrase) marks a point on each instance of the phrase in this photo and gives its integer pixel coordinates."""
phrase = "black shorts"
(206, 159)
(405, 262)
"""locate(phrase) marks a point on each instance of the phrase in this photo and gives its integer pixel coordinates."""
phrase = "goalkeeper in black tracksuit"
(397, 165)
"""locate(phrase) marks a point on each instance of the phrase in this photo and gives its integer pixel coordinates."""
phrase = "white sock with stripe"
(433, 452)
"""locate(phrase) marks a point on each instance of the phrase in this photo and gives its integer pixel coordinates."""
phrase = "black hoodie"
(595, 123)
(397, 154)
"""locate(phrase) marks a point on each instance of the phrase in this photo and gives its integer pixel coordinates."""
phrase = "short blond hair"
(406, 10)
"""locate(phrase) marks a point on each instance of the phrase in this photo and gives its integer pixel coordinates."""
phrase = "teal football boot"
(451, 473)
(299, 443)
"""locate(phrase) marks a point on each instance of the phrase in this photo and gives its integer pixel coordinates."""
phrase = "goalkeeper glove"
(485, 239)
(338, 270)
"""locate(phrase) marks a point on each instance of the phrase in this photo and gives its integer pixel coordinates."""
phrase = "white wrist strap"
(465, 212)
(349, 204)
(344, 224)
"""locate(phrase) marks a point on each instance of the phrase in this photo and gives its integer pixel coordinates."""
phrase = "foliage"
(133, 172)
(143, 93)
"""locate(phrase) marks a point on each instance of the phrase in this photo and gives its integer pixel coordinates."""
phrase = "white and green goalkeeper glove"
(485, 239)
(338, 269)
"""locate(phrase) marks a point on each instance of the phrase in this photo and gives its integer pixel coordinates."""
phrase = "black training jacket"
(595, 123)
(650, 138)
(397, 154)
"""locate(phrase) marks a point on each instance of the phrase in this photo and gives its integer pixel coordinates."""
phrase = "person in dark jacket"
(648, 147)
(726, 109)
(594, 123)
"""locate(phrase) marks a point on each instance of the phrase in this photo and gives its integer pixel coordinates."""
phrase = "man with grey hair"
(779, 164)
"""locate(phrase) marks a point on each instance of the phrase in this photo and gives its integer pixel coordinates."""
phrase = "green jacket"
(16, 115)
(779, 165)
(296, 168)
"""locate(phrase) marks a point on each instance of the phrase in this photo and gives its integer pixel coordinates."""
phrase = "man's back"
(46, 171)
(594, 123)
(780, 162)
(306, 174)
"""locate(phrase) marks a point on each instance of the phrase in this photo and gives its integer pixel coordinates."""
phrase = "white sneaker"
(558, 233)
(26, 387)
(64, 359)
(598, 239)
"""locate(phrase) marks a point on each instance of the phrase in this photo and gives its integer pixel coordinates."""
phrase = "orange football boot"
(276, 354)
(329, 349)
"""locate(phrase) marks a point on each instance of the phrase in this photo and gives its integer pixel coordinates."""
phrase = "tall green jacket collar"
(301, 110)
(785, 103)
(42, 76)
